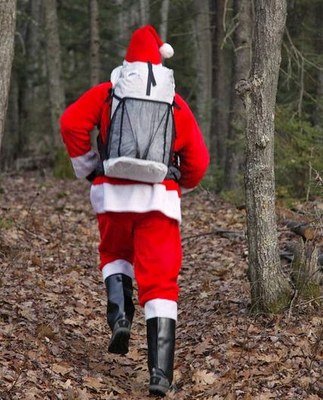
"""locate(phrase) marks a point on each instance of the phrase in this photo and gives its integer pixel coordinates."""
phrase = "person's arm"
(190, 146)
(77, 122)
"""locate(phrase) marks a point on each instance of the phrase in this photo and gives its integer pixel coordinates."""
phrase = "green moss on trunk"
(273, 306)
(305, 271)
(280, 304)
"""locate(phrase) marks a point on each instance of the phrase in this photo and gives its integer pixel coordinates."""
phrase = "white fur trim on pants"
(117, 267)
(161, 308)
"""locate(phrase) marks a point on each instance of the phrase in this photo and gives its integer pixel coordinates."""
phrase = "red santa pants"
(151, 243)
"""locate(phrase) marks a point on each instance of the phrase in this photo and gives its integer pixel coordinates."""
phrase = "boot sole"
(158, 390)
(159, 384)
(119, 343)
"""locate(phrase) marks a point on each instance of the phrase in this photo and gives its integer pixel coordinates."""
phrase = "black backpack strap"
(116, 97)
(110, 96)
(99, 142)
(173, 173)
(151, 79)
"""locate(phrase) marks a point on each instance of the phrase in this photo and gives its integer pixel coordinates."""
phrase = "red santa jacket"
(109, 194)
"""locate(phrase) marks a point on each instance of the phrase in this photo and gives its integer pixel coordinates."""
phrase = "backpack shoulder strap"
(109, 96)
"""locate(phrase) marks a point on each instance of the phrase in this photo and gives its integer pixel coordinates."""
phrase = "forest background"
(69, 46)
(53, 332)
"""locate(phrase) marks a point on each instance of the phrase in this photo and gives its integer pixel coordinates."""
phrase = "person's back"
(138, 219)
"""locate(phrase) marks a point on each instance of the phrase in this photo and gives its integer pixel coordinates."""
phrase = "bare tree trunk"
(121, 27)
(220, 93)
(237, 120)
(7, 34)
(203, 65)
(164, 20)
(94, 43)
(130, 16)
(30, 101)
(305, 272)
(11, 144)
(144, 12)
(270, 290)
(54, 68)
(318, 42)
(317, 114)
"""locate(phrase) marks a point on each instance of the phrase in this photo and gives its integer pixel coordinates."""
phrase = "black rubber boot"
(120, 311)
(161, 348)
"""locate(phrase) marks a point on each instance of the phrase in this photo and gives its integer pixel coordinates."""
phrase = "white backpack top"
(130, 80)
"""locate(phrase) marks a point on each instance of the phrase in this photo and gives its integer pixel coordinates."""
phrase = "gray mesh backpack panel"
(142, 129)
(141, 132)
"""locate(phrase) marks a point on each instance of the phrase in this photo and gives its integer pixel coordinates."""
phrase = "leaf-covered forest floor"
(53, 332)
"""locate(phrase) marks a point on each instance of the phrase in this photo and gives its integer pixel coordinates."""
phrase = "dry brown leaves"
(53, 333)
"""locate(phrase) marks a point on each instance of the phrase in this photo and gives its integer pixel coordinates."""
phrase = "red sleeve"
(80, 118)
(189, 145)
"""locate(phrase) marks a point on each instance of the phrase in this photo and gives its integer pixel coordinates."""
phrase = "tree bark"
(94, 43)
(130, 16)
(31, 102)
(54, 68)
(7, 33)
(164, 20)
(11, 140)
(306, 271)
(318, 45)
(203, 65)
(144, 12)
(270, 290)
(235, 152)
(121, 27)
(220, 92)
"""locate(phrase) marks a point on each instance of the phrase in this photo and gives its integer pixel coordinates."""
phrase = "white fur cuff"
(161, 308)
(117, 267)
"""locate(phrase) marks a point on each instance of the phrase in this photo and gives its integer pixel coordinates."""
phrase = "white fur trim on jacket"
(136, 198)
(85, 164)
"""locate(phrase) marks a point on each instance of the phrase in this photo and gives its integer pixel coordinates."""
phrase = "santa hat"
(146, 46)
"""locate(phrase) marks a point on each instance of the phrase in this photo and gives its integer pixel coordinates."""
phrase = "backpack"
(142, 131)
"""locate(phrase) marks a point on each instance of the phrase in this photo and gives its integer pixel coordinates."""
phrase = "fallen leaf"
(204, 377)
(93, 383)
(62, 369)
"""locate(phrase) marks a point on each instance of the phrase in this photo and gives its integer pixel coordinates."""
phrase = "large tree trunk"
(18, 132)
(203, 65)
(11, 140)
(7, 34)
(94, 43)
(270, 290)
(54, 68)
(237, 121)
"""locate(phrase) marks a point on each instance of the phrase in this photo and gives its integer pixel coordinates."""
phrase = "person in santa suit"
(139, 222)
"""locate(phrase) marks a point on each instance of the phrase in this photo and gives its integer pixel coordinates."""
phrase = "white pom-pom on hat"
(166, 50)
